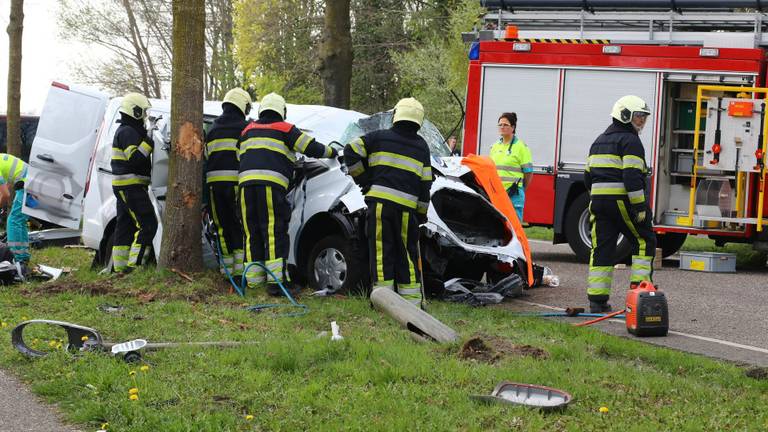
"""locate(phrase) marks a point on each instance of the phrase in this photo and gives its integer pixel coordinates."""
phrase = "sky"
(45, 57)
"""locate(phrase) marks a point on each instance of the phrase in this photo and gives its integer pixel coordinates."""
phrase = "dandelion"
(144, 368)
(84, 338)
(248, 417)
(133, 397)
(3, 324)
(58, 346)
(133, 390)
(104, 425)
(24, 318)
(132, 373)
(52, 343)
(603, 410)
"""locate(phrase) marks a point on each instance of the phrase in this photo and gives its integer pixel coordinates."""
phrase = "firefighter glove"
(639, 214)
(334, 153)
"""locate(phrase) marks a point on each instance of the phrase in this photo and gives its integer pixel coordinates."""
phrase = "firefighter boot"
(274, 289)
(599, 304)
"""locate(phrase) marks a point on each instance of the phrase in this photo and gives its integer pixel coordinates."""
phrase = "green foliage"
(438, 65)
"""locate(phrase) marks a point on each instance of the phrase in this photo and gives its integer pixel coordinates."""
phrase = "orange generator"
(646, 311)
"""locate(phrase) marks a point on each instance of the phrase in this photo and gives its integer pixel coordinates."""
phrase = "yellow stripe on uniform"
(270, 224)
(631, 225)
(379, 244)
(248, 250)
(404, 235)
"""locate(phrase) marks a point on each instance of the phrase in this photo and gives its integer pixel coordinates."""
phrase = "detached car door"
(58, 163)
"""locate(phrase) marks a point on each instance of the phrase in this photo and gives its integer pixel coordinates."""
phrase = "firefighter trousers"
(266, 214)
(609, 218)
(393, 248)
(226, 221)
(135, 228)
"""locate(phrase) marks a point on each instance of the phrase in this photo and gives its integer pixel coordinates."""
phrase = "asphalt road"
(20, 411)
(722, 315)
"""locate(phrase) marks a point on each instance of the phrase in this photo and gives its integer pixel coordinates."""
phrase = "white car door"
(58, 162)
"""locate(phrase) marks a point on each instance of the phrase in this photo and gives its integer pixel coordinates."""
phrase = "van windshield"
(383, 120)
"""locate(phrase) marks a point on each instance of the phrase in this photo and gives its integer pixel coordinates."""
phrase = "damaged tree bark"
(181, 244)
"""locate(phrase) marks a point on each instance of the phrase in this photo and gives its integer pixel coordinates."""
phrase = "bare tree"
(15, 29)
(336, 54)
(181, 245)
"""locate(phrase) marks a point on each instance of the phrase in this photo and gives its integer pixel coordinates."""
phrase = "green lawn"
(377, 378)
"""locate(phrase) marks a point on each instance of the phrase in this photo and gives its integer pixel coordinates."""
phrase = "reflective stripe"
(389, 284)
(328, 152)
(408, 291)
(243, 217)
(118, 154)
(270, 224)
(396, 161)
(271, 144)
(145, 149)
(636, 197)
(608, 189)
(631, 225)
(527, 167)
(393, 195)
(264, 175)
(422, 207)
(130, 179)
(509, 168)
(358, 146)
(255, 274)
(404, 237)
(600, 277)
(302, 142)
(379, 248)
(276, 267)
(604, 161)
(641, 268)
(356, 169)
(511, 180)
(130, 150)
(238, 266)
(222, 175)
(631, 161)
(426, 173)
(222, 144)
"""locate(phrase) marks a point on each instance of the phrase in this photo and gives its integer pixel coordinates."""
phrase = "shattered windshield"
(383, 120)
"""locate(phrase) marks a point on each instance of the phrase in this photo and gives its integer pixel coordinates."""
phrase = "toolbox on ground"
(715, 262)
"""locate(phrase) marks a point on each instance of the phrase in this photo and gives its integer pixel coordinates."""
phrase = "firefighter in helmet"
(13, 173)
(267, 151)
(393, 167)
(131, 168)
(221, 177)
(616, 178)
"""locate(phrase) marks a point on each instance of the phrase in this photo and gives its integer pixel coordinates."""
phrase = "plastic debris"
(549, 278)
(335, 335)
(476, 293)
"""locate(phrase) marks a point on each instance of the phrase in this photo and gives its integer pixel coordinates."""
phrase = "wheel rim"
(585, 232)
(330, 269)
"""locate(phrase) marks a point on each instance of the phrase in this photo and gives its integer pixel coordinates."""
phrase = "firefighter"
(267, 151)
(13, 173)
(221, 176)
(615, 176)
(131, 168)
(393, 168)
(513, 161)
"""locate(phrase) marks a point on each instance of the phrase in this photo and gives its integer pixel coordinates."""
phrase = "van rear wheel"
(578, 231)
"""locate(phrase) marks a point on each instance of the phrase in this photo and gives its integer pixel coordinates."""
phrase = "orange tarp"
(485, 173)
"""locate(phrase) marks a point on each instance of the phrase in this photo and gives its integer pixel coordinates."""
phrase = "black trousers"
(135, 227)
(393, 247)
(609, 218)
(266, 214)
(226, 220)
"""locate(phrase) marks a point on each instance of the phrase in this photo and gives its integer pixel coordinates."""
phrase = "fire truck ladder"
(697, 28)
(740, 176)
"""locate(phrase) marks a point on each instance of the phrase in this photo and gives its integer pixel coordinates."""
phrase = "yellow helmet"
(409, 109)
(239, 98)
(627, 106)
(135, 105)
(273, 102)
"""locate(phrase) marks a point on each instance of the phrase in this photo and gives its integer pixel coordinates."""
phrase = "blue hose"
(563, 314)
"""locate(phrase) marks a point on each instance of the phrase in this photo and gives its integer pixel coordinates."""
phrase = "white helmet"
(273, 102)
(239, 98)
(628, 106)
(135, 105)
(409, 109)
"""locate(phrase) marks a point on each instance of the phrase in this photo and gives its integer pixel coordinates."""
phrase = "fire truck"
(701, 70)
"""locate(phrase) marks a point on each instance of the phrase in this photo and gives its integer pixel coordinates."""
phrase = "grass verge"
(292, 377)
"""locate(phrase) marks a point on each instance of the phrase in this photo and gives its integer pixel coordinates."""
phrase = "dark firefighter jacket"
(267, 151)
(131, 154)
(616, 167)
(221, 164)
(392, 166)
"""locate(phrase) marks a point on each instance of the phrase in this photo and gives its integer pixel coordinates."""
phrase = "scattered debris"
(545, 398)
(758, 373)
(145, 298)
(490, 349)
(477, 293)
(108, 308)
(183, 275)
(52, 272)
(410, 316)
(335, 335)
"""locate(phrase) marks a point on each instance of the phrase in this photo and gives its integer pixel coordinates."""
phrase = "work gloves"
(639, 213)
(334, 153)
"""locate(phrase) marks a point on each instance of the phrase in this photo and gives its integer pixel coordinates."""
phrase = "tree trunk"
(336, 54)
(181, 246)
(13, 127)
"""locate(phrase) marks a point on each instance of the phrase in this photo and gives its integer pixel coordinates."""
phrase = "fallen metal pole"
(411, 317)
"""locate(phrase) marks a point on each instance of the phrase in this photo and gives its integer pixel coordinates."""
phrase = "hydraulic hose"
(596, 320)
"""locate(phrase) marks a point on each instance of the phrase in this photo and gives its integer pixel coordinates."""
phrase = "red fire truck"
(700, 71)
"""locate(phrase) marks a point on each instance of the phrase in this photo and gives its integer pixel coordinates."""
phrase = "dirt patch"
(99, 287)
(490, 349)
(758, 373)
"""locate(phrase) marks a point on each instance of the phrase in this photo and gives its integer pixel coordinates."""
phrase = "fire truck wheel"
(579, 234)
(670, 243)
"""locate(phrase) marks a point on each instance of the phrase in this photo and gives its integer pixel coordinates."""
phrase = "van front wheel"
(578, 231)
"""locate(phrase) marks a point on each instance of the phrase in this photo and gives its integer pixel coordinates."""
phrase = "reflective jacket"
(221, 163)
(267, 152)
(12, 169)
(512, 160)
(616, 166)
(392, 166)
(131, 154)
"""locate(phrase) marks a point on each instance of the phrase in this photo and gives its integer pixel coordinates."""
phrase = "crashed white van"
(70, 177)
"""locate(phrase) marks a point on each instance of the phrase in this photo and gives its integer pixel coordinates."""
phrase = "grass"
(294, 378)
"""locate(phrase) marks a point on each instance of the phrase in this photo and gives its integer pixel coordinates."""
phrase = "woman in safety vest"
(513, 161)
